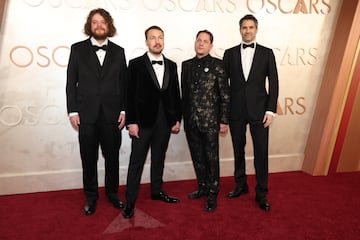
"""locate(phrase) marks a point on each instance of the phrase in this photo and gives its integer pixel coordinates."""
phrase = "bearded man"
(95, 94)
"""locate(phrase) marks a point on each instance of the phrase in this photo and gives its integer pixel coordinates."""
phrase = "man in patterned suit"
(205, 100)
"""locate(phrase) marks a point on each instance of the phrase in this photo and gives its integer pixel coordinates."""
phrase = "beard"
(100, 36)
(157, 49)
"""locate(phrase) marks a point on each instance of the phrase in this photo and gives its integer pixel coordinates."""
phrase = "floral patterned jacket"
(205, 93)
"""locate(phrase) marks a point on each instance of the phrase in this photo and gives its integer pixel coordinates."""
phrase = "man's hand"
(121, 121)
(133, 130)
(75, 122)
(223, 128)
(176, 128)
(268, 118)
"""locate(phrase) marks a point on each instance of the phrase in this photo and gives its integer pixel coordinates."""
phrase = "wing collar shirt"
(159, 69)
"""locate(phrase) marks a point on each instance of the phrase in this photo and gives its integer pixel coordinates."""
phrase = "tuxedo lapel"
(166, 74)
(150, 69)
(254, 61)
(107, 60)
(93, 60)
(238, 62)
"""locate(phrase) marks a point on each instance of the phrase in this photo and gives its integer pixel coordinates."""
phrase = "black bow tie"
(252, 45)
(157, 62)
(103, 47)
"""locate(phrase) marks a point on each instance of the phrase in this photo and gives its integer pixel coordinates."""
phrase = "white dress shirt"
(247, 56)
(159, 69)
(101, 56)
(100, 53)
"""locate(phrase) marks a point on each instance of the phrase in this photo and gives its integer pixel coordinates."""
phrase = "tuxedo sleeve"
(124, 80)
(183, 86)
(131, 95)
(226, 62)
(177, 98)
(72, 82)
(273, 83)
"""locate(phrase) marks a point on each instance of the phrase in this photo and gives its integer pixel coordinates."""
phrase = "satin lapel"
(238, 61)
(255, 59)
(166, 74)
(150, 70)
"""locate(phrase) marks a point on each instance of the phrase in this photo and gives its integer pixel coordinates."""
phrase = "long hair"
(108, 19)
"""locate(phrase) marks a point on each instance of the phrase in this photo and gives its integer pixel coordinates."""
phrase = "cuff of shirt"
(271, 113)
(73, 114)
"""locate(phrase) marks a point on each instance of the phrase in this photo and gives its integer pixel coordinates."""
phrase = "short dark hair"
(249, 17)
(153, 27)
(207, 32)
(108, 19)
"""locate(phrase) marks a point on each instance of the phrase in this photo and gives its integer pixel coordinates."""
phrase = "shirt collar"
(151, 57)
(94, 42)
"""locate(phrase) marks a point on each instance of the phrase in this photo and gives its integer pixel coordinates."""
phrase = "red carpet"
(303, 207)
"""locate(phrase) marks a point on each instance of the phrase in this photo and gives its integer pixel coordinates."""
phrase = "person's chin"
(156, 51)
(100, 37)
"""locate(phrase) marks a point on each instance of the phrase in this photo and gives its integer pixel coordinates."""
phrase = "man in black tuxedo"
(248, 66)
(205, 100)
(95, 91)
(153, 112)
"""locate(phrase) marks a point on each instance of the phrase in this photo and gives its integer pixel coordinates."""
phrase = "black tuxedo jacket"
(250, 98)
(145, 95)
(91, 86)
(206, 98)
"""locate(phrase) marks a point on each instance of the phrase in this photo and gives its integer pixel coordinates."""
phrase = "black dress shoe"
(238, 191)
(263, 203)
(197, 194)
(128, 211)
(164, 197)
(116, 202)
(90, 208)
(211, 204)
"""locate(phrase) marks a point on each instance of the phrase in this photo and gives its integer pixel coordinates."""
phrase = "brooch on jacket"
(206, 69)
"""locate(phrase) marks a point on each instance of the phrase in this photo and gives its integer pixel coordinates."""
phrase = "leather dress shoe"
(128, 211)
(164, 197)
(238, 191)
(197, 194)
(90, 208)
(211, 204)
(116, 202)
(263, 203)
